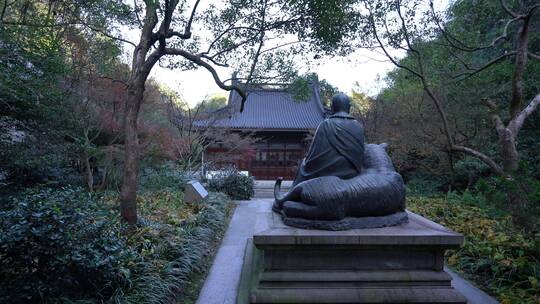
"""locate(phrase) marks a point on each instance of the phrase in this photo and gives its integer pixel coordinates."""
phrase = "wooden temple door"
(273, 160)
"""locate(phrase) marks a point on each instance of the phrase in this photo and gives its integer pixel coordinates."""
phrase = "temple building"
(282, 125)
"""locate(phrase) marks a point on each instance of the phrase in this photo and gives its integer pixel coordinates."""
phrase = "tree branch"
(420, 75)
(494, 113)
(146, 41)
(516, 123)
(212, 59)
(507, 9)
(519, 67)
(404, 28)
(232, 47)
(4, 8)
(187, 29)
(464, 47)
(280, 46)
(533, 55)
(197, 60)
(372, 22)
(136, 8)
(487, 65)
(484, 158)
(102, 32)
(261, 43)
(79, 22)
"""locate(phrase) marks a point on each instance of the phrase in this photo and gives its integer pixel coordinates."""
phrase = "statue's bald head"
(341, 103)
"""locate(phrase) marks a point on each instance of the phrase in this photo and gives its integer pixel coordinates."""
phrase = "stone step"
(266, 193)
(265, 189)
(358, 295)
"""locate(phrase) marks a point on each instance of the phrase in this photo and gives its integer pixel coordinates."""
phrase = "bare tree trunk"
(509, 152)
(128, 193)
(89, 175)
(106, 169)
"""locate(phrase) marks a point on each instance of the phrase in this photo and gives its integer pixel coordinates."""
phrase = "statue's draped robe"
(337, 150)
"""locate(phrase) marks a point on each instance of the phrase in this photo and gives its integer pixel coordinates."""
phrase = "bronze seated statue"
(343, 183)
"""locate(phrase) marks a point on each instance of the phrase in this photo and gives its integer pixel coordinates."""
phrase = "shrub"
(497, 255)
(52, 244)
(65, 245)
(166, 176)
(520, 196)
(173, 242)
(423, 185)
(233, 183)
(467, 171)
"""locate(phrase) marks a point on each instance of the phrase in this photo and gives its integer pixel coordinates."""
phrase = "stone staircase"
(264, 189)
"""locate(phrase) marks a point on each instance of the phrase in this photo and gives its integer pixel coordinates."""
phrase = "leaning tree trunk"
(128, 193)
(509, 153)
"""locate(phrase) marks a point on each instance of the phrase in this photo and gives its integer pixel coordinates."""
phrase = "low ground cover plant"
(66, 245)
(498, 256)
(231, 182)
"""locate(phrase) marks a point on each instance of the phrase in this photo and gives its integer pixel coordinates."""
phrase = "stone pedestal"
(399, 264)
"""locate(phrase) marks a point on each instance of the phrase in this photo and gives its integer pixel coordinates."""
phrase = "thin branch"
(420, 75)
(261, 43)
(254, 29)
(465, 64)
(63, 24)
(404, 27)
(533, 55)
(225, 65)
(102, 32)
(228, 30)
(507, 9)
(232, 47)
(280, 46)
(381, 45)
(136, 8)
(485, 66)
(197, 60)
(464, 47)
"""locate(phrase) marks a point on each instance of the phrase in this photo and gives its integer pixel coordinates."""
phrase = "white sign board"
(194, 192)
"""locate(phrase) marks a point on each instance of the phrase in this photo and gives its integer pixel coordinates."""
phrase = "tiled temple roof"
(270, 108)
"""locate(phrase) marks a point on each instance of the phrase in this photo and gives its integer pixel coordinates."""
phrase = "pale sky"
(340, 72)
(363, 67)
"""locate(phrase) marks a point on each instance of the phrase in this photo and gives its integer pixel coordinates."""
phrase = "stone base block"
(399, 264)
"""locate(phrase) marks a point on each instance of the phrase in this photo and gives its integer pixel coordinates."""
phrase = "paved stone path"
(221, 285)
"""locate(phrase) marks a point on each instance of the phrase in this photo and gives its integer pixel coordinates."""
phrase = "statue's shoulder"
(341, 116)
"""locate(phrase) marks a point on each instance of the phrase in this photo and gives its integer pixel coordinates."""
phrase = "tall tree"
(236, 31)
(45, 57)
(253, 37)
(408, 25)
(396, 24)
